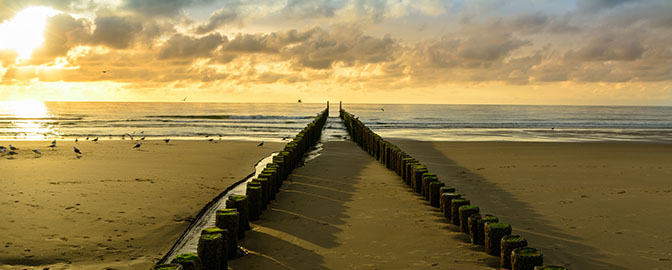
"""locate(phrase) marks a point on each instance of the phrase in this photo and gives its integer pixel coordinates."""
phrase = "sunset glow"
(435, 51)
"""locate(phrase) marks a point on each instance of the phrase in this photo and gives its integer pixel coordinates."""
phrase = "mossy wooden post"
(241, 203)
(526, 258)
(455, 210)
(408, 178)
(435, 193)
(418, 171)
(494, 231)
(404, 165)
(223, 255)
(228, 219)
(254, 195)
(474, 235)
(507, 245)
(465, 211)
(446, 200)
(277, 160)
(481, 226)
(426, 179)
(189, 261)
(210, 250)
(550, 267)
(265, 191)
(266, 173)
(446, 189)
(169, 266)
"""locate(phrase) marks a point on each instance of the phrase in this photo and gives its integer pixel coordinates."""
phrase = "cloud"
(609, 46)
(181, 46)
(62, 33)
(8, 57)
(218, 18)
(598, 5)
(165, 8)
(115, 31)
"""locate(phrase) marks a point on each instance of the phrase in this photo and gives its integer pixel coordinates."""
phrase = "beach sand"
(115, 207)
(585, 205)
(344, 210)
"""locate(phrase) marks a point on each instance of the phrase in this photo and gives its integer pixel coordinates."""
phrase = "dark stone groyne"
(217, 245)
(487, 231)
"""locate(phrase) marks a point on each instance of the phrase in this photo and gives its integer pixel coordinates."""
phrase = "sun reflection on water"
(25, 120)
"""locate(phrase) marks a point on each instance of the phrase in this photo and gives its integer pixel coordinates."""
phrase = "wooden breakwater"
(218, 244)
(484, 230)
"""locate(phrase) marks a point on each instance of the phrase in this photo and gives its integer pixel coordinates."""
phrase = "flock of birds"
(12, 150)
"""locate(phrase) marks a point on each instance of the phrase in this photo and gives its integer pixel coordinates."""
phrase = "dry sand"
(115, 207)
(586, 205)
(344, 210)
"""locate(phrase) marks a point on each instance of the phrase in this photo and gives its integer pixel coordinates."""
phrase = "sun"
(25, 32)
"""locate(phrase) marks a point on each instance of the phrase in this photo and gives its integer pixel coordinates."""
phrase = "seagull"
(37, 152)
(142, 139)
(87, 137)
(53, 142)
(76, 150)
(11, 147)
(76, 139)
(166, 140)
(52, 145)
(11, 153)
(382, 109)
(95, 140)
(104, 71)
(211, 140)
(261, 143)
(137, 145)
(3, 150)
(184, 99)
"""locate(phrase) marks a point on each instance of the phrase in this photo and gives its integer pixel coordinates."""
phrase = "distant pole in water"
(261, 143)
(137, 145)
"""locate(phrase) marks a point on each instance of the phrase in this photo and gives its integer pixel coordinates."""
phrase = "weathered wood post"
(209, 250)
(241, 203)
(494, 231)
(465, 211)
(426, 179)
(526, 258)
(229, 219)
(189, 261)
(481, 226)
(435, 193)
(475, 237)
(508, 244)
(446, 199)
(254, 195)
(455, 210)
(223, 254)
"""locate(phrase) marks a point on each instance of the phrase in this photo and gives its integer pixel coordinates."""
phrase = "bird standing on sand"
(261, 143)
(12, 153)
(382, 109)
(211, 139)
(137, 145)
(166, 140)
(11, 147)
(2, 149)
(37, 152)
(95, 140)
(76, 150)
(76, 139)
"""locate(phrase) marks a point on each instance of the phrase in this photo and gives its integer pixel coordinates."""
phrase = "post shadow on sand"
(294, 210)
(558, 248)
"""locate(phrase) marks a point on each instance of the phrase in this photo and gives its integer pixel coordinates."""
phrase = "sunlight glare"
(25, 32)
(30, 119)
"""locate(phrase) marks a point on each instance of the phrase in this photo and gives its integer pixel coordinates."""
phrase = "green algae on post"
(455, 210)
(241, 203)
(494, 231)
(210, 251)
(228, 219)
(446, 199)
(507, 245)
(474, 235)
(254, 194)
(435, 193)
(465, 211)
(188, 261)
(526, 258)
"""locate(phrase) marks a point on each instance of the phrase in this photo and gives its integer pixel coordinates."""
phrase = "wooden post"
(209, 250)
(229, 219)
(189, 261)
(241, 203)
(446, 200)
(435, 193)
(474, 235)
(254, 195)
(465, 211)
(455, 210)
(223, 254)
(508, 244)
(494, 231)
(526, 258)
(481, 227)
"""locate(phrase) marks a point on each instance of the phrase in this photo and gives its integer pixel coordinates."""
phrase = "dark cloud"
(311, 8)
(115, 31)
(609, 46)
(161, 7)
(229, 13)
(181, 46)
(597, 5)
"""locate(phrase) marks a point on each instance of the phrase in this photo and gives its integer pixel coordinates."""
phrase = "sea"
(36, 120)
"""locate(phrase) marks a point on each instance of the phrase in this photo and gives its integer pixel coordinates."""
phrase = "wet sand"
(115, 207)
(585, 205)
(344, 210)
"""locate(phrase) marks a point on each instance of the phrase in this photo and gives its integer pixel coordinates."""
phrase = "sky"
(575, 52)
